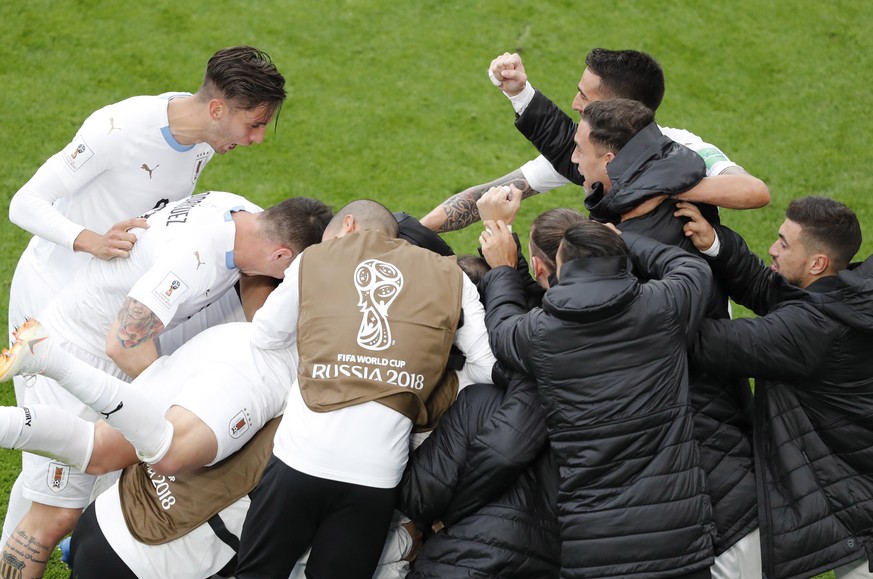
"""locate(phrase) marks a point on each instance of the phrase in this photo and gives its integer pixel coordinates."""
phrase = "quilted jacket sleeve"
(511, 328)
(551, 131)
(788, 343)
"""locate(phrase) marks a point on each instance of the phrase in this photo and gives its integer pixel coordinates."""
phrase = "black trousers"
(91, 556)
(345, 524)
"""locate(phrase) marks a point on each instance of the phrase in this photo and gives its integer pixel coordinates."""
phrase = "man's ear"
(819, 264)
(540, 271)
(536, 265)
(608, 157)
(283, 253)
(217, 109)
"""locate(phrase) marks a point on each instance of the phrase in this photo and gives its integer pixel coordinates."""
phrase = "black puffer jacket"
(722, 408)
(487, 473)
(722, 404)
(810, 354)
(609, 357)
(551, 131)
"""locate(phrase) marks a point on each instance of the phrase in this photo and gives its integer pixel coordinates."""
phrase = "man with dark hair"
(546, 233)
(609, 74)
(809, 352)
(627, 74)
(372, 320)
(125, 159)
(626, 161)
(632, 172)
(191, 253)
(247, 80)
(622, 435)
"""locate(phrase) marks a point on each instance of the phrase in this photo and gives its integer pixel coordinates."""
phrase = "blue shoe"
(64, 546)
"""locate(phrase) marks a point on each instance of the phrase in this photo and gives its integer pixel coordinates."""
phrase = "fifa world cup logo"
(378, 284)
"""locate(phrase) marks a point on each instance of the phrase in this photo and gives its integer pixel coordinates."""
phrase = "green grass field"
(390, 100)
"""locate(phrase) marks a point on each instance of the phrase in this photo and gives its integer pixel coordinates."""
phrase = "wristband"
(714, 248)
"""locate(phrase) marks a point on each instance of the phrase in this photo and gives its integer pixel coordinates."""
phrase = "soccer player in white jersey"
(192, 252)
(125, 159)
(618, 78)
(207, 399)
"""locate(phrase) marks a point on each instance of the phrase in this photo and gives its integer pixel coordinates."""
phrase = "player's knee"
(49, 524)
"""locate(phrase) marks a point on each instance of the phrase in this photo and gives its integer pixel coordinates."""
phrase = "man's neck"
(183, 116)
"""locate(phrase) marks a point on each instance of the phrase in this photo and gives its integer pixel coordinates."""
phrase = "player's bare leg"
(29, 548)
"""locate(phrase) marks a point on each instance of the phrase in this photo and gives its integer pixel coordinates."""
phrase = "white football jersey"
(180, 264)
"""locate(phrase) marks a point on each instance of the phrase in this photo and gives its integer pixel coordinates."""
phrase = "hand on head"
(499, 204)
(498, 245)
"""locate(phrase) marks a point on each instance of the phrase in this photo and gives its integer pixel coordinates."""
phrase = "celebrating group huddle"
(295, 392)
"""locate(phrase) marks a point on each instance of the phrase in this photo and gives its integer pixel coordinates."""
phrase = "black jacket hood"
(649, 165)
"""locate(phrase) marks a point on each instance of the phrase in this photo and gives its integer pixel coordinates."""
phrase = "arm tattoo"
(461, 209)
(20, 550)
(136, 324)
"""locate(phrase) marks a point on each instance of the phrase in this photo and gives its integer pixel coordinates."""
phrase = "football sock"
(124, 406)
(48, 431)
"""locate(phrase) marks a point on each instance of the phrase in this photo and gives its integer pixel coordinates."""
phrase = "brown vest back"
(377, 321)
(158, 509)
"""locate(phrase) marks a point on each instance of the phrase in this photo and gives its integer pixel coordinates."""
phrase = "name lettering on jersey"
(170, 289)
(58, 476)
(147, 170)
(378, 284)
(77, 153)
(163, 492)
(199, 163)
(112, 126)
(179, 213)
(27, 416)
(158, 206)
(239, 424)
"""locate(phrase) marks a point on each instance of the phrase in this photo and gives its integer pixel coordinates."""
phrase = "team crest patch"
(77, 153)
(58, 476)
(11, 566)
(239, 424)
(170, 289)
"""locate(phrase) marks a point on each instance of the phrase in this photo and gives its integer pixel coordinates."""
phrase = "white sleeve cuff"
(541, 175)
(713, 249)
(522, 99)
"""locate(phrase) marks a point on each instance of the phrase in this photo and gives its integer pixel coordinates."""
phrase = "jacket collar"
(592, 288)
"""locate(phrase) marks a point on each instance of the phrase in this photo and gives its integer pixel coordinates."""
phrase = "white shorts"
(221, 385)
(46, 480)
(30, 292)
